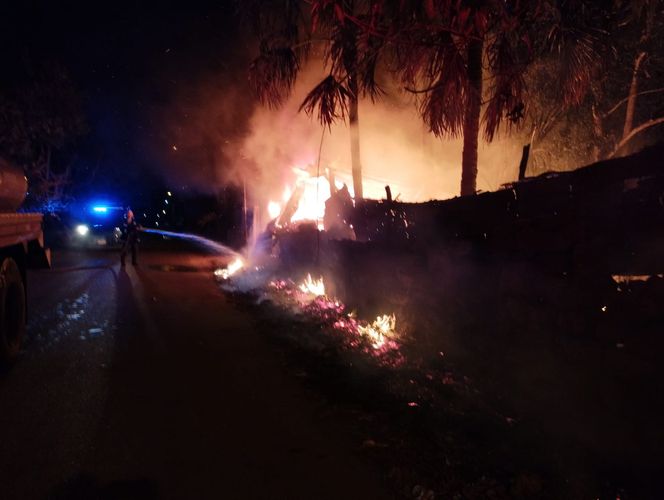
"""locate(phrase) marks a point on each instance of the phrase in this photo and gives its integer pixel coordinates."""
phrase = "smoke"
(396, 149)
(212, 133)
(198, 132)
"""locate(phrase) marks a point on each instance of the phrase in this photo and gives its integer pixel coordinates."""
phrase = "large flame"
(315, 190)
(273, 209)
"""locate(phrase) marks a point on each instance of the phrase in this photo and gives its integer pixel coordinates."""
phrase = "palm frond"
(368, 82)
(580, 42)
(329, 100)
(443, 108)
(327, 13)
(579, 60)
(507, 87)
(369, 48)
(340, 53)
(272, 74)
(442, 71)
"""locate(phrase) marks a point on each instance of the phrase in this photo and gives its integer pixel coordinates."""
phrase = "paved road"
(147, 383)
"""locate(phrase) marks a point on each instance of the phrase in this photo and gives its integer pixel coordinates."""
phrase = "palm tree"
(465, 60)
(462, 57)
(442, 50)
(285, 45)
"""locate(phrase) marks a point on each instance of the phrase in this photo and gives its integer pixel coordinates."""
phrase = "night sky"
(132, 64)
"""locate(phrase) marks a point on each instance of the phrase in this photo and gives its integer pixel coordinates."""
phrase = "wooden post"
(524, 162)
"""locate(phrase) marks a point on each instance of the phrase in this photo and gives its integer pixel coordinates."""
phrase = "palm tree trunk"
(633, 91)
(471, 121)
(354, 126)
(598, 129)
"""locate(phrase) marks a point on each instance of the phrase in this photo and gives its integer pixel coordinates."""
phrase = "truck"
(21, 248)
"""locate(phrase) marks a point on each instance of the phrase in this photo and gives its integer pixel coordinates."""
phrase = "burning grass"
(431, 428)
(378, 339)
(372, 366)
(425, 425)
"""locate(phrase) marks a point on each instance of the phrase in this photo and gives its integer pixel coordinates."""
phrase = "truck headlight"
(82, 229)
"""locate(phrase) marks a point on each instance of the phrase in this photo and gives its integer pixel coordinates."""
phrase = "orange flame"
(384, 326)
(313, 287)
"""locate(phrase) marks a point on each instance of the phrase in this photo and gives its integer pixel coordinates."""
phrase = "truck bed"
(18, 228)
(25, 229)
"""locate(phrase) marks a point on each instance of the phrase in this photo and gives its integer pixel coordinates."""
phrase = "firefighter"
(130, 237)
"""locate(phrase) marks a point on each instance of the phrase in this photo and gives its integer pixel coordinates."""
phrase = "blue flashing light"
(100, 209)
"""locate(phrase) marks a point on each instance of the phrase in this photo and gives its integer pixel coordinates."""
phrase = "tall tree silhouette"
(288, 30)
(41, 116)
(465, 60)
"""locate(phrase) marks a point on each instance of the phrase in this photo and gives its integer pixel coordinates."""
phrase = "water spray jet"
(205, 242)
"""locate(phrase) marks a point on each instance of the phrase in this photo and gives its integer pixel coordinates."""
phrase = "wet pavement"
(147, 382)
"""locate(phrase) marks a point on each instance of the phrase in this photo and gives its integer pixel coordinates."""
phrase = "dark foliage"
(329, 99)
(41, 117)
(272, 74)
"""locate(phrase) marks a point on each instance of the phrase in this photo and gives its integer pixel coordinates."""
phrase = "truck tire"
(12, 310)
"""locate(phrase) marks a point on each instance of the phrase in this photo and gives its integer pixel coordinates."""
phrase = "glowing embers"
(313, 287)
(230, 270)
(379, 336)
(623, 279)
(381, 333)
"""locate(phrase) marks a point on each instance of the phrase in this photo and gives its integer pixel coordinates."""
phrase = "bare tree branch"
(634, 132)
(623, 101)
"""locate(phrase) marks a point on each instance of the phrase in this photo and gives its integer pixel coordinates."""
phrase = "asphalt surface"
(147, 383)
